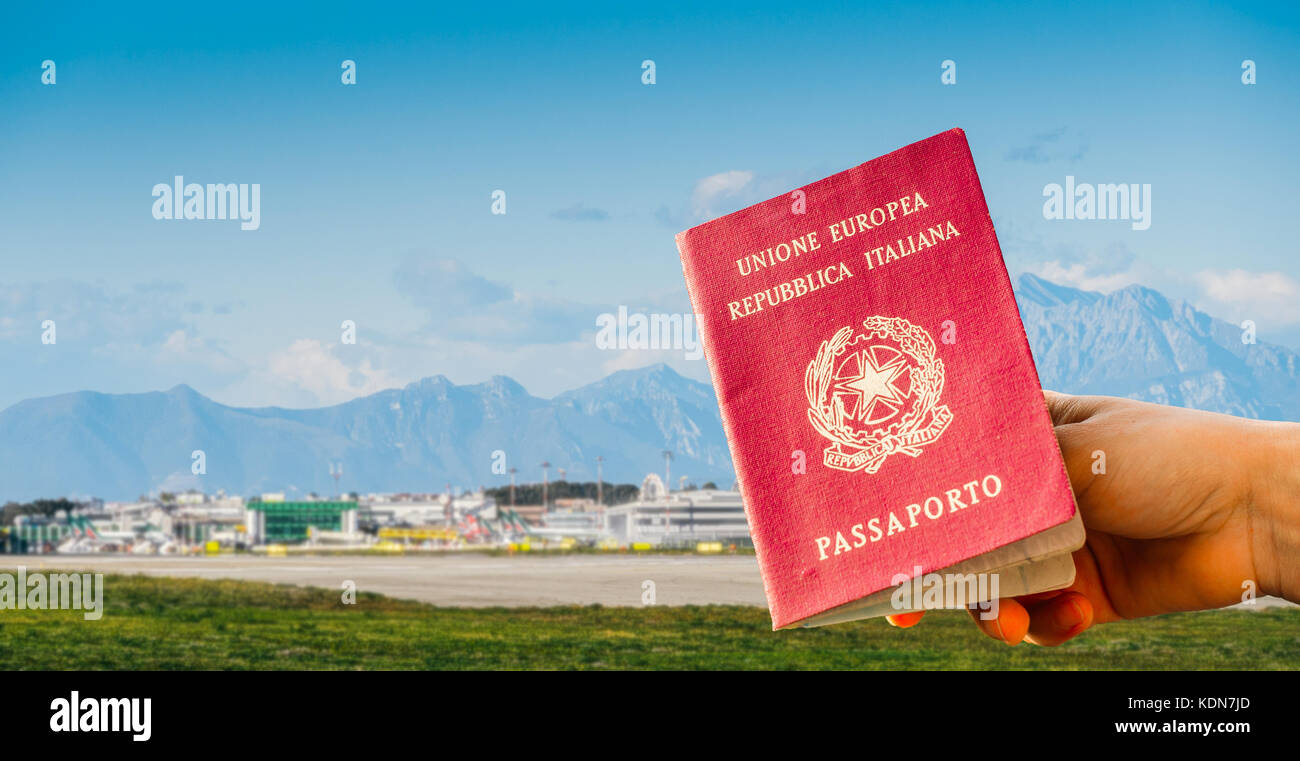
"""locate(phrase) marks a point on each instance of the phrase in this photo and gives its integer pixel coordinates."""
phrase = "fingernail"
(1069, 617)
(997, 626)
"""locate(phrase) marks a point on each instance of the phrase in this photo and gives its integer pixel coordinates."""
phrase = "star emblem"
(873, 385)
(873, 393)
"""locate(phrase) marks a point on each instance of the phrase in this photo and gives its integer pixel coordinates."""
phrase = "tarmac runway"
(472, 579)
(463, 579)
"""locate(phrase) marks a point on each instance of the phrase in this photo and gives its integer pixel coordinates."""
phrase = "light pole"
(336, 470)
(546, 482)
(668, 492)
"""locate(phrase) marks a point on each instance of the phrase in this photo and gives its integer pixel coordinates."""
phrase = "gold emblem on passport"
(874, 391)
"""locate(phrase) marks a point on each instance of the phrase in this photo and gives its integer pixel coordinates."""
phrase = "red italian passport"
(878, 393)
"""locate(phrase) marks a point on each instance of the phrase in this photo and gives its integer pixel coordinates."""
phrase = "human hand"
(1189, 507)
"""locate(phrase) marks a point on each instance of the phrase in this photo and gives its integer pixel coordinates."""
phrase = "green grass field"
(162, 623)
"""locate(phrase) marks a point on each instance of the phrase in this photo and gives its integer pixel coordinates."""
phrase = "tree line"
(531, 494)
(42, 507)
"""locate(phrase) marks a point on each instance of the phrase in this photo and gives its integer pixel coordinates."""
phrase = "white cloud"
(181, 346)
(722, 193)
(716, 187)
(181, 354)
(1272, 296)
(176, 343)
(1079, 275)
(312, 367)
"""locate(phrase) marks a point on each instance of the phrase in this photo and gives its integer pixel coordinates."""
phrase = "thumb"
(1067, 408)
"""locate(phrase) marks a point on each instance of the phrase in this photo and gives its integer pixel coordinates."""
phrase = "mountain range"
(1133, 342)
(1136, 343)
(419, 438)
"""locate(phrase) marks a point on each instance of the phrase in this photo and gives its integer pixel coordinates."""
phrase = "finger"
(1066, 408)
(1060, 619)
(1030, 601)
(1009, 625)
(905, 620)
(1087, 578)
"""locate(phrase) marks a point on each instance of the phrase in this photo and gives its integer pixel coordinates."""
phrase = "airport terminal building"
(277, 522)
(681, 519)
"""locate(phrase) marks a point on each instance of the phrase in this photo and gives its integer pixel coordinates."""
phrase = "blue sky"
(376, 197)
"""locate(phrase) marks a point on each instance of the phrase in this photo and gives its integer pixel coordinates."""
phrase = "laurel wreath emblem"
(924, 421)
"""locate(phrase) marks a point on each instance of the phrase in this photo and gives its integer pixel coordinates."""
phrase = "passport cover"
(874, 378)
